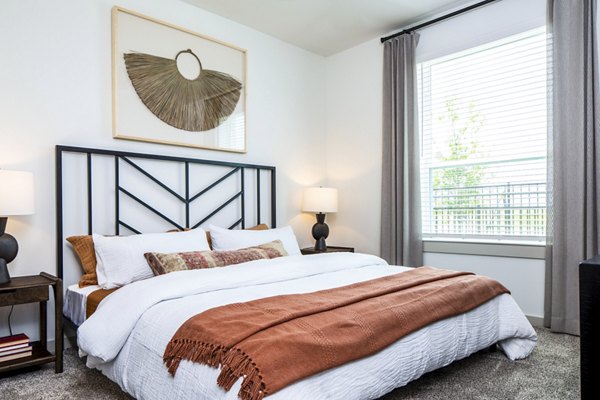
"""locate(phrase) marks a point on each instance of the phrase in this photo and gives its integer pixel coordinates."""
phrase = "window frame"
(490, 245)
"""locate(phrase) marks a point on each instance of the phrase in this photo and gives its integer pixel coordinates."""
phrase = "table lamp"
(320, 200)
(16, 198)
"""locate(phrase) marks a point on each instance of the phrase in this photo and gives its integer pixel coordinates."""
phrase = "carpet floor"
(551, 372)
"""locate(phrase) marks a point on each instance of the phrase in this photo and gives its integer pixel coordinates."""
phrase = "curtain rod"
(438, 19)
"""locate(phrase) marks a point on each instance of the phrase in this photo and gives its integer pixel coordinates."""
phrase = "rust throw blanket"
(275, 341)
(93, 300)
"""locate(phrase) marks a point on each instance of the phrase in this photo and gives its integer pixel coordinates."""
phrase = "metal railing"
(490, 210)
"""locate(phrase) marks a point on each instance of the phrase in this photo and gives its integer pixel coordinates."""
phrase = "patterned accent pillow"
(163, 263)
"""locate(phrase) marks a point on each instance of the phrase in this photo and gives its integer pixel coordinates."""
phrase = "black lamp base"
(320, 231)
(8, 251)
(4, 275)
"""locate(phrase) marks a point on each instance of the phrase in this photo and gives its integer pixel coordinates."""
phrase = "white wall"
(523, 277)
(354, 126)
(354, 112)
(55, 88)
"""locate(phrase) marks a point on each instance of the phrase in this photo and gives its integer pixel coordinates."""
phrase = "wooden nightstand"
(34, 289)
(330, 249)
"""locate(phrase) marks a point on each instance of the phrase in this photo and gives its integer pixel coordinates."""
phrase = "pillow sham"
(259, 227)
(230, 239)
(83, 246)
(120, 259)
(162, 263)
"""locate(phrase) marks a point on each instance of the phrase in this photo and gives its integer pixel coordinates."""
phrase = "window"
(483, 119)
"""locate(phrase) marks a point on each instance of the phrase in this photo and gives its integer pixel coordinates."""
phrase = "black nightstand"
(330, 249)
(34, 289)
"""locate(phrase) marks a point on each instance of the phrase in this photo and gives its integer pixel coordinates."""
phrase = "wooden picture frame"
(133, 116)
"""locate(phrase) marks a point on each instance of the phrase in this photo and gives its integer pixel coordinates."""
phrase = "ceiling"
(326, 27)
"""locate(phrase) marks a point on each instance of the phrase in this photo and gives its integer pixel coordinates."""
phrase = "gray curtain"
(401, 242)
(574, 158)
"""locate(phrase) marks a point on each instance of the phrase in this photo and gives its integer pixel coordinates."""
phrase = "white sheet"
(75, 301)
(127, 335)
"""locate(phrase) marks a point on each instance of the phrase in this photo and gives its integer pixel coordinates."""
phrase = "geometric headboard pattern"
(116, 192)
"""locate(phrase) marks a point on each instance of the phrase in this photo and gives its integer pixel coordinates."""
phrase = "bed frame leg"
(70, 331)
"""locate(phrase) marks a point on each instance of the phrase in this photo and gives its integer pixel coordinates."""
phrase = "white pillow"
(121, 258)
(230, 239)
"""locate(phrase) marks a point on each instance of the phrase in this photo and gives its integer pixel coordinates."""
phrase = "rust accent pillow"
(83, 245)
(163, 263)
(260, 227)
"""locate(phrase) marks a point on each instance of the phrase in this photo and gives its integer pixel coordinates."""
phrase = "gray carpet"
(551, 372)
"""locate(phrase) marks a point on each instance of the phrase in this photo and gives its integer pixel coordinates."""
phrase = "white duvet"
(125, 338)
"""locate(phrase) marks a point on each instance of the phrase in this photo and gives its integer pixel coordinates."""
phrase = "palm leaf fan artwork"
(193, 105)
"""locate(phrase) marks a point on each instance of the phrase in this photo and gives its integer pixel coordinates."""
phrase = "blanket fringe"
(199, 352)
(237, 364)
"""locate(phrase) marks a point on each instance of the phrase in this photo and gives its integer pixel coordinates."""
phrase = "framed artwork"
(174, 86)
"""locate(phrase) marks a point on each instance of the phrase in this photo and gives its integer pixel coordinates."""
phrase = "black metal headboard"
(246, 179)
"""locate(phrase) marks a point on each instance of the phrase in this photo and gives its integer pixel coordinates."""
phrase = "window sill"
(494, 248)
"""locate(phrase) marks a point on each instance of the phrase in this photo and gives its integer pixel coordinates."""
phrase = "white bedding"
(75, 301)
(126, 336)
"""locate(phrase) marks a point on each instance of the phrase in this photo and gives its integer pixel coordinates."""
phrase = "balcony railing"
(506, 210)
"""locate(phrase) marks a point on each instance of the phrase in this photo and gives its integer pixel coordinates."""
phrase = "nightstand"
(329, 249)
(35, 289)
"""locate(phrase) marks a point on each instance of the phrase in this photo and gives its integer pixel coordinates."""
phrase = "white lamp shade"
(16, 193)
(320, 200)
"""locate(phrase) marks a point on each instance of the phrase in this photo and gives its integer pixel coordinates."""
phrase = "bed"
(126, 336)
(76, 301)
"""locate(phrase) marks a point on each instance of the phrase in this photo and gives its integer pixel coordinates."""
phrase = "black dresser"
(589, 306)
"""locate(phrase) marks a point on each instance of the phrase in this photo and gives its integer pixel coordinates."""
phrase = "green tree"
(462, 144)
